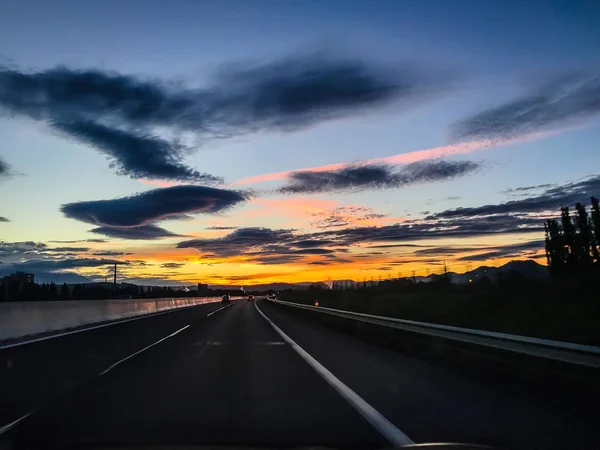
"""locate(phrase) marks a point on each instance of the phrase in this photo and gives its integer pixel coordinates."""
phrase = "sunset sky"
(245, 142)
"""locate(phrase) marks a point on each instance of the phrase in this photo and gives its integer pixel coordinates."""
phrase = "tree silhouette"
(572, 243)
(595, 225)
(555, 248)
(583, 238)
(569, 235)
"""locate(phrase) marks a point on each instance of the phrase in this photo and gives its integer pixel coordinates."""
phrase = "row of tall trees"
(572, 242)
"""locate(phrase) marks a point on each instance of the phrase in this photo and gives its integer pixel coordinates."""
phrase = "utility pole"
(115, 275)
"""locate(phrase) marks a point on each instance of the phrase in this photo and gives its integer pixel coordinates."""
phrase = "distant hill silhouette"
(528, 268)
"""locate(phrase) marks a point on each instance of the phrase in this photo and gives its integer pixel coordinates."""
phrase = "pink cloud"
(402, 158)
(406, 158)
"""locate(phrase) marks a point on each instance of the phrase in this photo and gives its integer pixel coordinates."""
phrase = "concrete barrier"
(21, 319)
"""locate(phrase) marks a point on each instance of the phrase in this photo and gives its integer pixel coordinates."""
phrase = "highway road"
(254, 374)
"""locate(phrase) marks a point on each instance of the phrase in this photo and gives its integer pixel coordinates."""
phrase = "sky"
(240, 143)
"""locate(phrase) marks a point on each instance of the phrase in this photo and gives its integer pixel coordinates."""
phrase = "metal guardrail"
(585, 355)
(22, 321)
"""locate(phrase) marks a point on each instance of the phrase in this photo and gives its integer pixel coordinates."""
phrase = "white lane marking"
(94, 327)
(210, 314)
(140, 351)
(374, 417)
(14, 423)
(219, 343)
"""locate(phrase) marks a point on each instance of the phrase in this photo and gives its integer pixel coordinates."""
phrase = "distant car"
(226, 299)
(250, 297)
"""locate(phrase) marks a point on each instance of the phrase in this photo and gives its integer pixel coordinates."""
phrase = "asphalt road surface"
(227, 376)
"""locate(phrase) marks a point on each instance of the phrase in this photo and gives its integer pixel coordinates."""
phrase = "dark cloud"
(152, 206)
(172, 265)
(33, 266)
(12, 253)
(155, 281)
(67, 249)
(107, 111)
(431, 262)
(40, 259)
(397, 246)
(500, 251)
(483, 256)
(240, 241)
(133, 217)
(327, 221)
(426, 229)
(523, 246)
(4, 219)
(134, 154)
(4, 169)
(561, 102)
(506, 251)
(253, 276)
(355, 178)
(551, 199)
(94, 240)
(221, 228)
(111, 253)
(312, 251)
(320, 263)
(264, 246)
(527, 188)
(15, 251)
(443, 251)
(275, 259)
(310, 243)
(143, 232)
(343, 216)
(118, 113)
(300, 91)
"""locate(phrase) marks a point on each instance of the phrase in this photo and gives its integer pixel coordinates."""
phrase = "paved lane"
(31, 374)
(229, 379)
(431, 404)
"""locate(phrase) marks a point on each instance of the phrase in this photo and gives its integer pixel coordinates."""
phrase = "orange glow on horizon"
(242, 270)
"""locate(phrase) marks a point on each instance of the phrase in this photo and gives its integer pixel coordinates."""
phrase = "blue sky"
(464, 58)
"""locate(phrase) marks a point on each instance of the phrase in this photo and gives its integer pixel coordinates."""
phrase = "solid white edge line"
(140, 351)
(102, 325)
(9, 426)
(210, 314)
(14, 423)
(374, 417)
